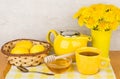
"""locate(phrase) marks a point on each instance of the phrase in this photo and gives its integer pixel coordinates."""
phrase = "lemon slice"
(24, 43)
(19, 50)
(37, 49)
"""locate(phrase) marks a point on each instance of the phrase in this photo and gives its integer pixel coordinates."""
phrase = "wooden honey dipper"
(53, 57)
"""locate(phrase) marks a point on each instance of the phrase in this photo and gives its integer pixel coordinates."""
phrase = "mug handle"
(49, 35)
(104, 62)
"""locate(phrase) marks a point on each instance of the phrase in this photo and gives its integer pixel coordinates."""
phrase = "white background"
(34, 18)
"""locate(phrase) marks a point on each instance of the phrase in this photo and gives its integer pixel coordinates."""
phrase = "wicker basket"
(25, 59)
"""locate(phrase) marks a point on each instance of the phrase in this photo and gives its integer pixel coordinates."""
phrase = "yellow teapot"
(67, 41)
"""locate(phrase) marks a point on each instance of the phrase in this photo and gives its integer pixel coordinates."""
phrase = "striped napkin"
(71, 73)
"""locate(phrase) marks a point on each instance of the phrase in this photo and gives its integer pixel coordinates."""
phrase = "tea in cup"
(89, 60)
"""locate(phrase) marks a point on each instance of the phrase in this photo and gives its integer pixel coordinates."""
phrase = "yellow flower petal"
(81, 21)
(77, 14)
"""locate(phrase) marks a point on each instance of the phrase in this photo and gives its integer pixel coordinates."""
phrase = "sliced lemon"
(19, 50)
(37, 49)
(24, 43)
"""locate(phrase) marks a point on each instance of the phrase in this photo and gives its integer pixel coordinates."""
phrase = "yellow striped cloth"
(71, 73)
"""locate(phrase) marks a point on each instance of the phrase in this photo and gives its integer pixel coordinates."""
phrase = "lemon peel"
(37, 49)
(24, 43)
(19, 50)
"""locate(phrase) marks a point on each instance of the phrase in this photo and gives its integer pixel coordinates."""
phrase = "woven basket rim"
(34, 54)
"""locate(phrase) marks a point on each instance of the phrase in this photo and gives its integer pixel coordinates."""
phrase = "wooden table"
(114, 56)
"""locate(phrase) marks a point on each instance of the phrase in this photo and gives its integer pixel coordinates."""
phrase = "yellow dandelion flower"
(81, 21)
(77, 14)
(114, 25)
(99, 17)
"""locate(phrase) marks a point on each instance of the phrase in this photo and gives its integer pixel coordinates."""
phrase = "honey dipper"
(51, 58)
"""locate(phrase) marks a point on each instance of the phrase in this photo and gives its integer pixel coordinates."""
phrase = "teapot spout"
(88, 38)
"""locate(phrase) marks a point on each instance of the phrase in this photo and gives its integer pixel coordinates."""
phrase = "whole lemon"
(37, 48)
(19, 50)
(24, 43)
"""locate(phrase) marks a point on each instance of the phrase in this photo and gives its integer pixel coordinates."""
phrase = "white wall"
(33, 18)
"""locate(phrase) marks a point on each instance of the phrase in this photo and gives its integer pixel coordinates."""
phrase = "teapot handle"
(49, 36)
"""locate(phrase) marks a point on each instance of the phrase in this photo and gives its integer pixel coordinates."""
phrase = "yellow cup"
(89, 60)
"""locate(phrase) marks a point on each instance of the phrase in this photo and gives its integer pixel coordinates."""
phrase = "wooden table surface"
(114, 56)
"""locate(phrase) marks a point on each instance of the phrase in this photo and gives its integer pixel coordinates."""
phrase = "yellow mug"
(89, 60)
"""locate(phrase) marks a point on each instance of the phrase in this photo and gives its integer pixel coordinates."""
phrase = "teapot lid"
(70, 33)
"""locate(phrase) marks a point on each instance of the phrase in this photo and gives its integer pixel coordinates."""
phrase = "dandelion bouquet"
(101, 17)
